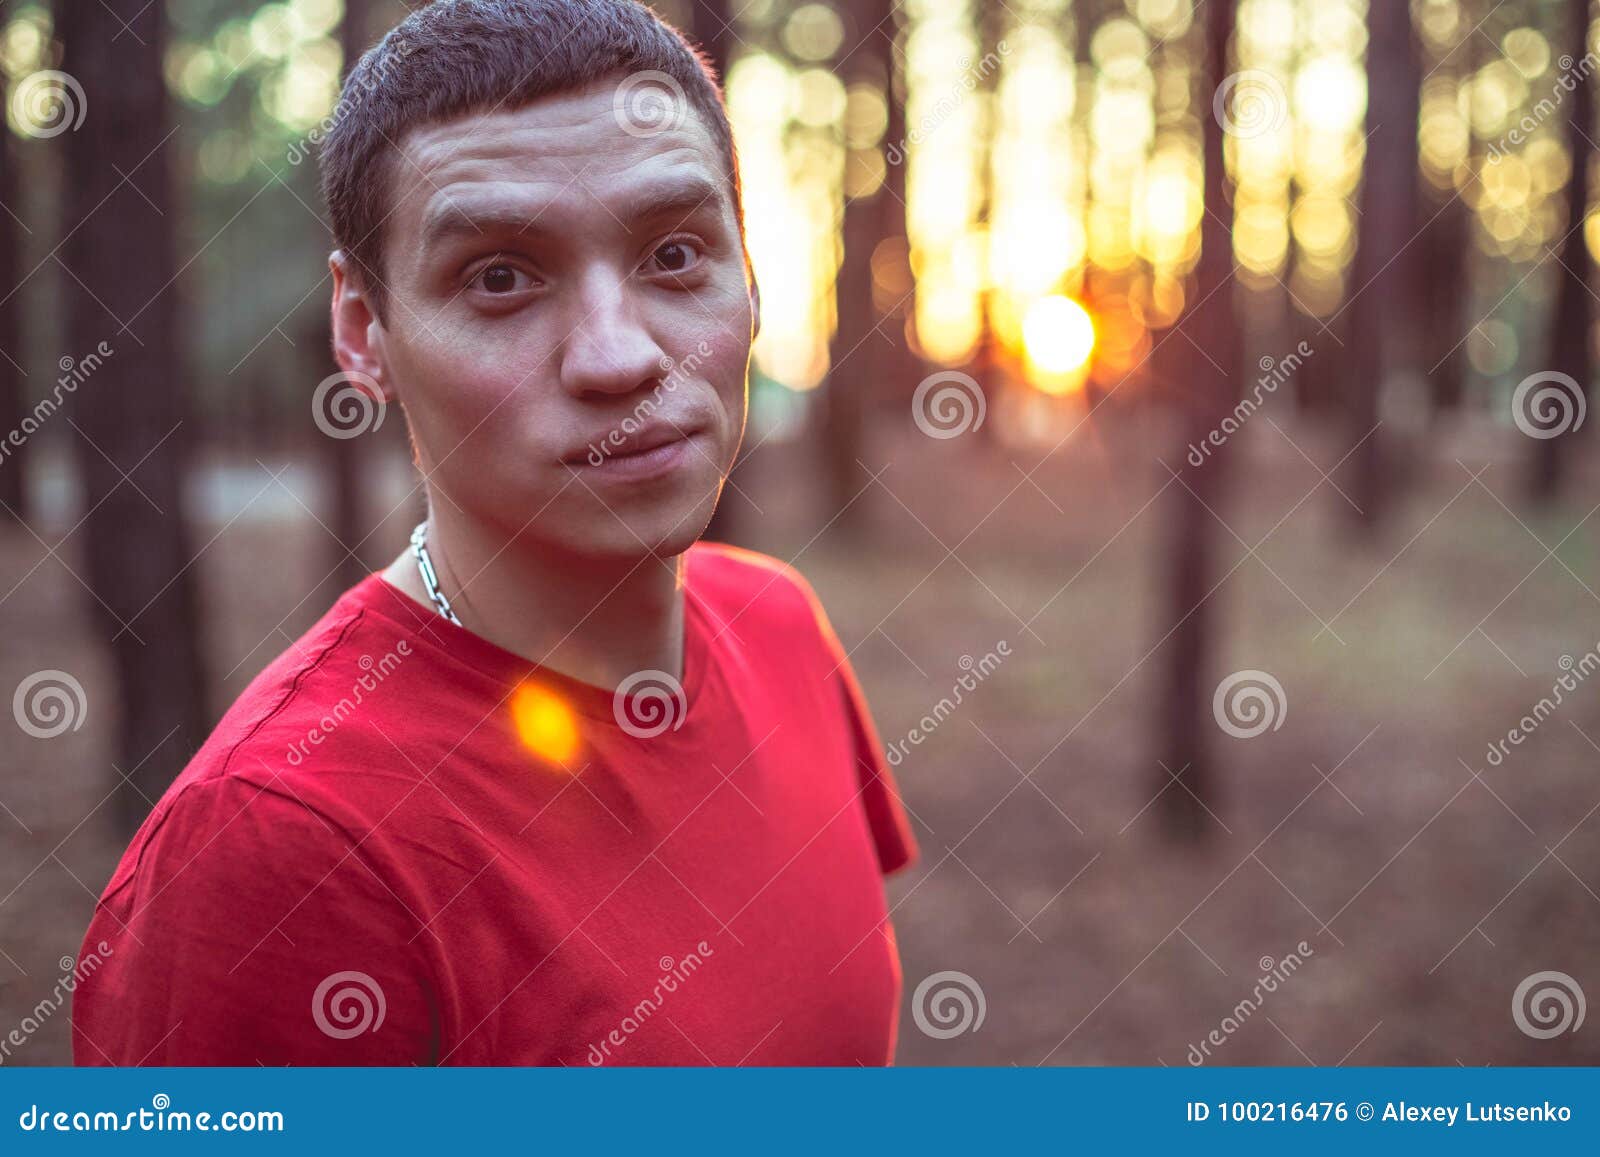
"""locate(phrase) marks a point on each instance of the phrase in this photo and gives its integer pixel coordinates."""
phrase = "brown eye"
(498, 279)
(675, 256)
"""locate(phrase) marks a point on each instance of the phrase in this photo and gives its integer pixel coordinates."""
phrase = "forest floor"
(1424, 881)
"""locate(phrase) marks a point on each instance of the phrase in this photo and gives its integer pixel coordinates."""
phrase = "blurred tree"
(1207, 392)
(13, 396)
(1445, 239)
(345, 458)
(853, 352)
(893, 283)
(989, 360)
(1086, 18)
(1385, 311)
(1572, 321)
(1444, 254)
(711, 25)
(119, 218)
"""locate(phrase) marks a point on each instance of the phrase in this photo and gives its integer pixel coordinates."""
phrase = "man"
(559, 786)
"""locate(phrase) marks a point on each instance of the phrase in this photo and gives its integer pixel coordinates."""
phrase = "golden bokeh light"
(1036, 163)
(1058, 335)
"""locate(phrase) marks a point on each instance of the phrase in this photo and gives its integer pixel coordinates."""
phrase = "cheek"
(460, 380)
(729, 363)
(723, 356)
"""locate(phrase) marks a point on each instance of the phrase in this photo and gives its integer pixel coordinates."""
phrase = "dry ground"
(1426, 883)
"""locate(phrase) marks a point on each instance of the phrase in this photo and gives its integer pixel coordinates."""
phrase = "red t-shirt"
(404, 844)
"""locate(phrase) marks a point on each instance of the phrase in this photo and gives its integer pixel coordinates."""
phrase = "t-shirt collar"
(456, 644)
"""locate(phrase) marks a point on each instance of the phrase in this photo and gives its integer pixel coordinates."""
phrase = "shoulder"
(283, 688)
(721, 567)
(338, 667)
(744, 587)
(251, 782)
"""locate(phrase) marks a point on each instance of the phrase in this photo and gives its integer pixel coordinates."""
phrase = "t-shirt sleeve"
(244, 928)
(880, 795)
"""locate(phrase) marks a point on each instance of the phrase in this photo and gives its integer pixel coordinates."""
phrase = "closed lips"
(615, 445)
(648, 440)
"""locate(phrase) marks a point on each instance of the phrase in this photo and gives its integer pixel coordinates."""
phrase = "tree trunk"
(990, 366)
(854, 354)
(1208, 396)
(13, 394)
(1384, 313)
(1557, 416)
(899, 367)
(712, 27)
(120, 217)
(344, 458)
(1444, 245)
(1447, 241)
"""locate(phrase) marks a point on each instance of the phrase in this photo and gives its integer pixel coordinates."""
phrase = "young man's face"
(564, 294)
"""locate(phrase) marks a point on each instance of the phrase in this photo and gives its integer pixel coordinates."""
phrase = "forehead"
(595, 150)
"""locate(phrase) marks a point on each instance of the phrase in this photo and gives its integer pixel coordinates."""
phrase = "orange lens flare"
(546, 725)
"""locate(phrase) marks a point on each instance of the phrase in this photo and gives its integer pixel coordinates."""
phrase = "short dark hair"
(453, 58)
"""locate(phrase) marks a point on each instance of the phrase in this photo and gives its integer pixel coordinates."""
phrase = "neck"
(595, 622)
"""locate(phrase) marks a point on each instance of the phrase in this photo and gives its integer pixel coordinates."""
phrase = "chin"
(664, 529)
(678, 530)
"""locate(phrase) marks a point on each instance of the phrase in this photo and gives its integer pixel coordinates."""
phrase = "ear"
(755, 307)
(358, 334)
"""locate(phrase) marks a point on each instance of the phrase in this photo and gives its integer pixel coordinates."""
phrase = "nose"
(609, 350)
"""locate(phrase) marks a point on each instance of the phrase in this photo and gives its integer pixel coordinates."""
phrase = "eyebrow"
(679, 199)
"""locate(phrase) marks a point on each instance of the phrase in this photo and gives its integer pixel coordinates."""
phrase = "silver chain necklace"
(430, 580)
